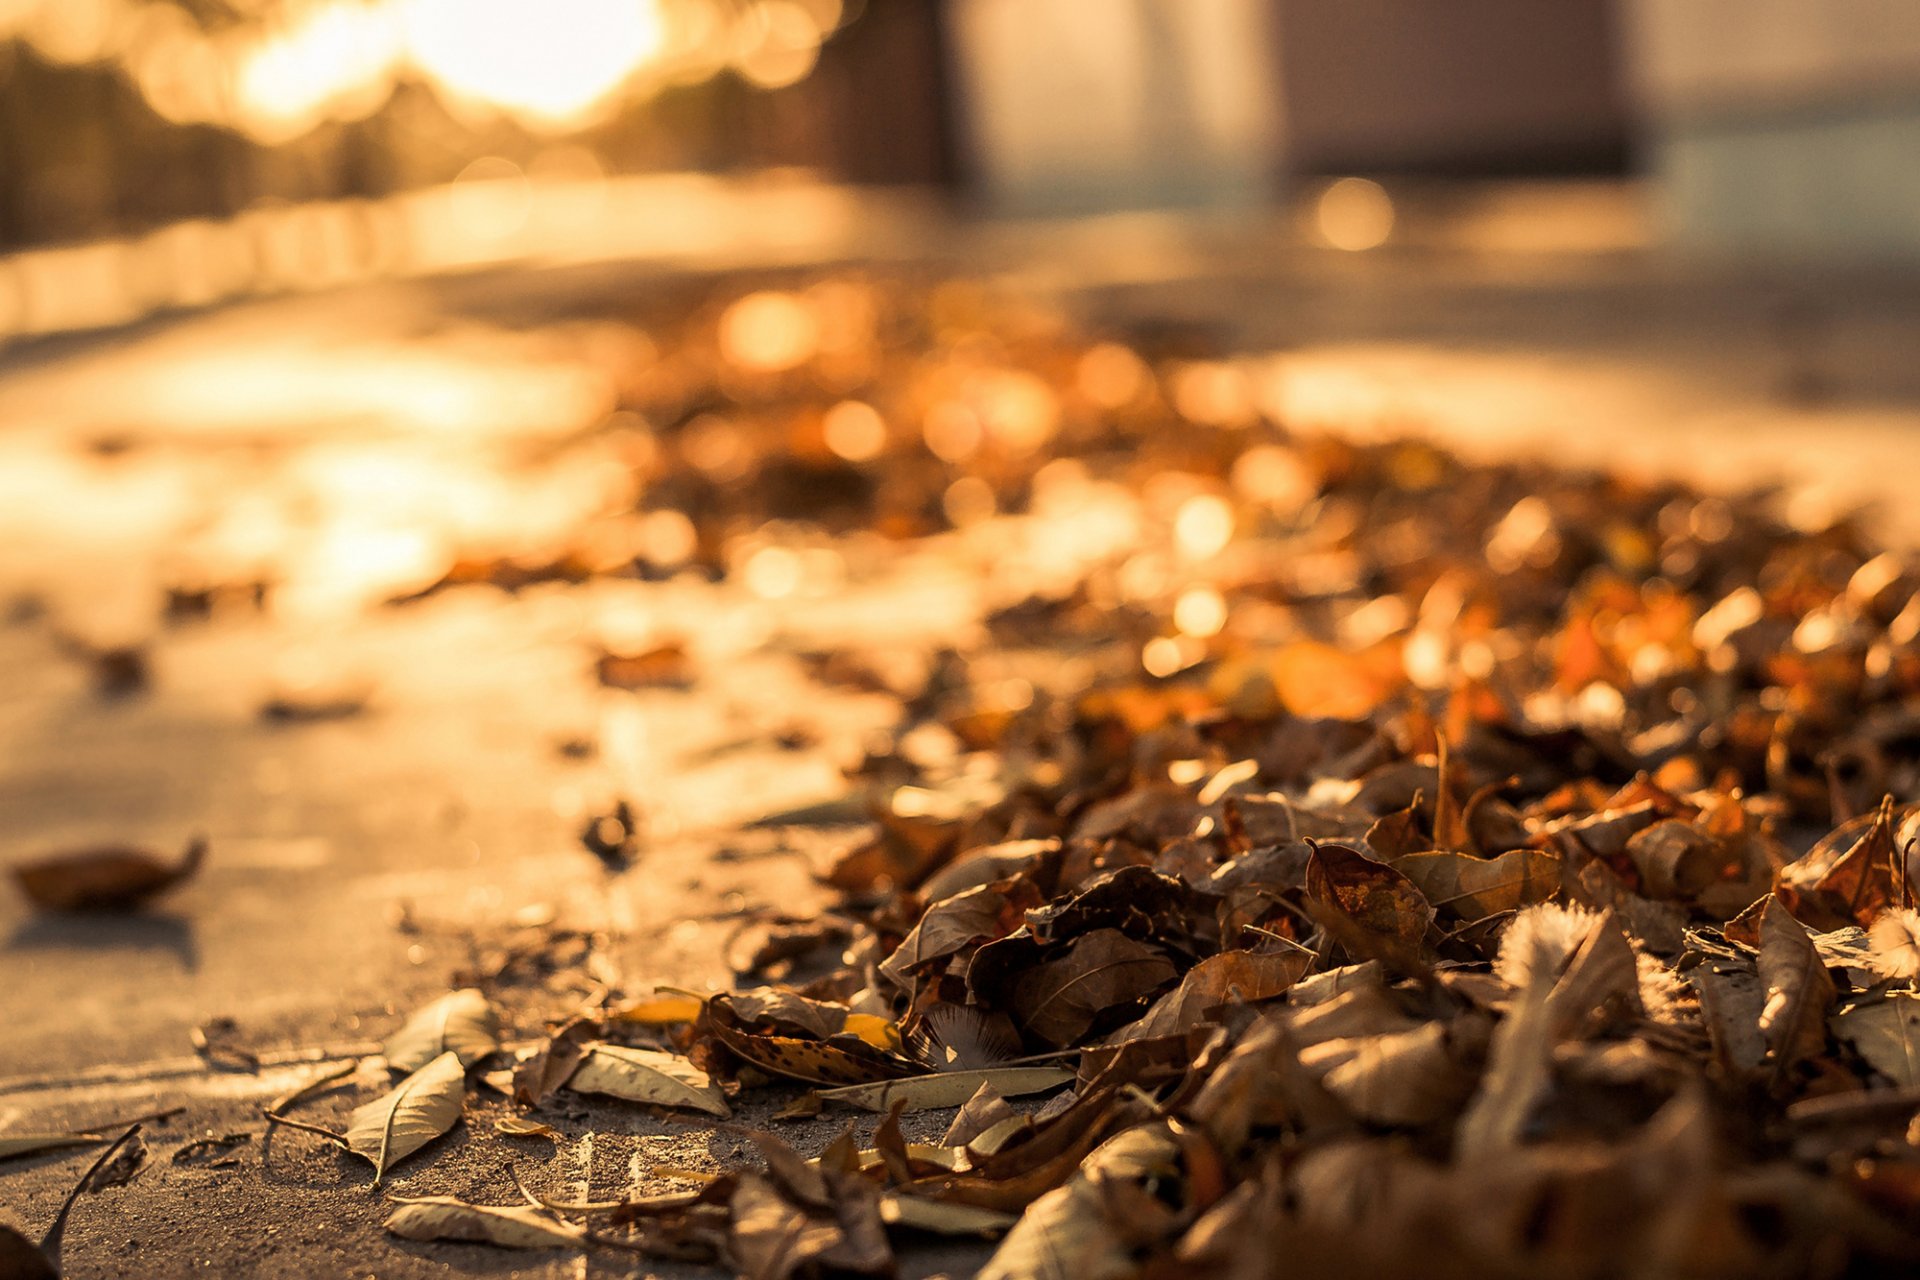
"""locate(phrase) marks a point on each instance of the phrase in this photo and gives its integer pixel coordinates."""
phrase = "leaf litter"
(1343, 856)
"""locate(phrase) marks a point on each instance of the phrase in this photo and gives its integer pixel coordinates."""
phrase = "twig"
(286, 1100)
(152, 1117)
(330, 1135)
(50, 1242)
(274, 1110)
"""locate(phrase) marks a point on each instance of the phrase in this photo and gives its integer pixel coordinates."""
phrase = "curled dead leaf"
(105, 879)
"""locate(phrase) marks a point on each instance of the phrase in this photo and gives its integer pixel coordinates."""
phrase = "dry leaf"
(1064, 1235)
(535, 1078)
(124, 1166)
(1230, 978)
(413, 1113)
(948, 1088)
(109, 879)
(912, 1213)
(1375, 896)
(665, 666)
(1799, 990)
(1405, 1078)
(1886, 1031)
(21, 1259)
(646, 1075)
(1849, 877)
(460, 1022)
(979, 1113)
(1476, 888)
(508, 1226)
(1059, 1000)
(521, 1127)
(662, 1009)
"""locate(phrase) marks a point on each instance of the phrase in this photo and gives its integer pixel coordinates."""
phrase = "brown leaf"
(953, 924)
(985, 1109)
(1850, 877)
(1403, 1078)
(21, 1259)
(1060, 999)
(845, 1059)
(1475, 888)
(1230, 978)
(1886, 1031)
(107, 879)
(948, 1088)
(535, 1079)
(1371, 894)
(506, 1226)
(665, 666)
(646, 1075)
(1793, 1022)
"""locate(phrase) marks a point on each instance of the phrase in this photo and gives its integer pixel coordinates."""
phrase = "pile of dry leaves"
(1373, 864)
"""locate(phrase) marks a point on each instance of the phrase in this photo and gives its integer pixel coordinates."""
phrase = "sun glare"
(550, 62)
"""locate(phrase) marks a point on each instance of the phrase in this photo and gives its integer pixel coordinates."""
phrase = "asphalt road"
(360, 864)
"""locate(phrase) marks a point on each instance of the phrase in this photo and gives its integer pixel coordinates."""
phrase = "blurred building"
(1773, 125)
(1783, 125)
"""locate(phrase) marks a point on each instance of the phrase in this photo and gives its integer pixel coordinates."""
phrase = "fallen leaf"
(646, 1075)
(1799, 990)
(1886, 1031)
(1476, 888)
(1375, 896)
(1230, 978)
(554, 1062)
(21, 1259)
(979, 1113)
(413, 1113)
(461, 1022)
(844, 1059)
(948, 1088)
(912, 1213)
(665, 666)
(662, 1009)
(613, 836)
(1060, 999)
(1403, 1078)
(124, 1167)
(507, 1226)
(107, 879)
(1064, 1235)
(521, 1127)
(1850, 876)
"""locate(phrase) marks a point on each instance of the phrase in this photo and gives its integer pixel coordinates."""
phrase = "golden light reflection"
(769, 332)
(1203, 526)
(1111, 375)
(1354, 214)
(1200, 612)
(855, 431)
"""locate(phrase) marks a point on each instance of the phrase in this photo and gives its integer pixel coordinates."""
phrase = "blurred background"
(226, 146)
